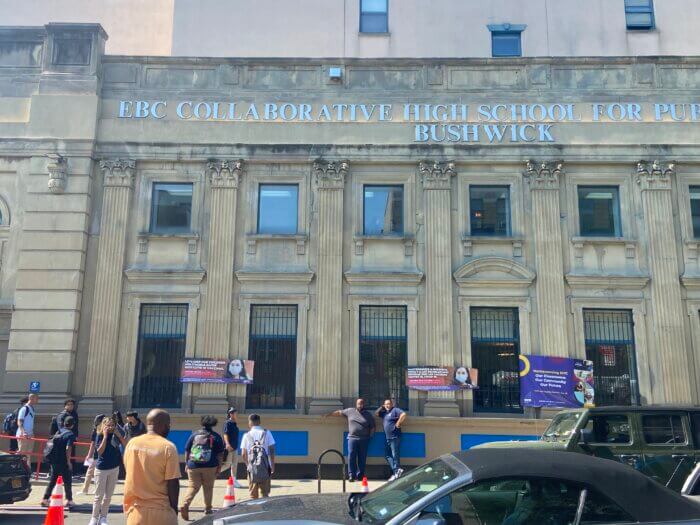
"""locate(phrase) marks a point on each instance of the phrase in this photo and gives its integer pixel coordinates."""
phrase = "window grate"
(496, 355)
(383, 355)
(609, 338)
(161, 349)
(273, 347)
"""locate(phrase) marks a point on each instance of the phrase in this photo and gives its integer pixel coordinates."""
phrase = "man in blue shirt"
(393, 418)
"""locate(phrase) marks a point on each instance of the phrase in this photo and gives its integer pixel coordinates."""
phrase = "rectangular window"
(383, 355)
(496, 355)
(273, 348)
(663, 429)
(506, 44)
(609, 338)
(278, 208)
(599, 211)
(383, 210)
(489, 208)
(171, 209)
(639, 14)
(160, 351)
(609, 428)
(695, 210)
(374, 16)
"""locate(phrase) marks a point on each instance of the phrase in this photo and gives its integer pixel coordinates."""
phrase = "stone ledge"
(252, 240)
(379, 278)
(252, 276)
(182, 277)
(580, 242)
(407, 240)
(470, 240)
(625, 282)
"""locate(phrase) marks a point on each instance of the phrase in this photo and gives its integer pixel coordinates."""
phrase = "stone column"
(439, 343)
(104, 326)
(666, 302)
(330, 180)
(546, 227)
(224, 177)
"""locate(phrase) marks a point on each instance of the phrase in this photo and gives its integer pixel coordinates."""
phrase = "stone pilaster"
(439, 345)
(224, 177)
(668, 336)
(330, 180)
(104, 326)
(544, 181)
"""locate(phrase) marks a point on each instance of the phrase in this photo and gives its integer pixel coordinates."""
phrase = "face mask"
(235, 369)
(461, 377)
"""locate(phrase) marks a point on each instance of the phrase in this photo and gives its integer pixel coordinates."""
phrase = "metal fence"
(383, 355)
(273, 347)
(609, 336)
(495, 354)
(161, 348)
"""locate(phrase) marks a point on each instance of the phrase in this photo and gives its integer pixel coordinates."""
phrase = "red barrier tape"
(40, 455)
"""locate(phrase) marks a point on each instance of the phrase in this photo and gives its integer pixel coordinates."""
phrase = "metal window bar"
(495, 354)
(161, 349)
(383, 355)
(609, 338)
(273, 347)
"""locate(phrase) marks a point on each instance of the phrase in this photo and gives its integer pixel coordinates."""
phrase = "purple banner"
(556, 382)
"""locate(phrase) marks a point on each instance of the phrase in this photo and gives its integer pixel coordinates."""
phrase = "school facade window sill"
(579, 243)
(191, 238)
(407, 240)
(468, 242)
(252, 240)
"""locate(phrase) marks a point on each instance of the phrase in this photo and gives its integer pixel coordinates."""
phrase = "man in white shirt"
(25, 427)
(262, 482)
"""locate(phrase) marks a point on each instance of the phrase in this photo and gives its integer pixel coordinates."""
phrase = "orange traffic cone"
(365, 486)
(54, 515)
(230, 495)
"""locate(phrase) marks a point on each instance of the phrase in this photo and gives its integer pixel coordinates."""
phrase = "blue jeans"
(357, 456)
(392, 451)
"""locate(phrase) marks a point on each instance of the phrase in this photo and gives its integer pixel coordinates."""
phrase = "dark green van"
(661, 442)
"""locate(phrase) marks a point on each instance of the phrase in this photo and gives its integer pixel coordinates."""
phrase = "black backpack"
(53, 428)
(54, 448)
(9, 424)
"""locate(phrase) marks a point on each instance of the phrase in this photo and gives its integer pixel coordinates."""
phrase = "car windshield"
(561, 427)
(395, 497)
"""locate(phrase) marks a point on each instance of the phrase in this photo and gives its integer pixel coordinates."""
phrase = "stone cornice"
(608, 282)
(384, 278)
(58, 173)
(118, 172)
(543, 175)
(436, 175)
(654, 175)
(183, 277)
(331, 175)
(225, 173)
(252, 276)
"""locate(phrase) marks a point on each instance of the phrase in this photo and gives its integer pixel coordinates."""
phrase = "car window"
(696, 429)
(599, 509)
(609, 428)
(663, 429)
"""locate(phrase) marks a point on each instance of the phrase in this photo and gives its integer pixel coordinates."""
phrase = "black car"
(14, 478)
(487, 487)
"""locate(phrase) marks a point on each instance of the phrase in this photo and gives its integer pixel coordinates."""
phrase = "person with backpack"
(91, 456)
(134, 426)
(258, 450)
(109, 458)
(57, 453)
(25, 427)
(9, 424)
(204, 454)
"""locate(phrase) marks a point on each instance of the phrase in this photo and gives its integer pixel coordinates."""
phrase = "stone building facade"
(437, 212)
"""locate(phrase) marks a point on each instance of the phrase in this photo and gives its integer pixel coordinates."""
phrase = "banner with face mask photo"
(441, 378)
(217, 371)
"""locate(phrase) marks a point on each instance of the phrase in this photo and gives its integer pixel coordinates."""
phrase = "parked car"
(14, 478)
(487, 487)
(661, 442)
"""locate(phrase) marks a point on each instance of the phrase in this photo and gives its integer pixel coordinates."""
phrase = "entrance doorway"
(161, 349)
(383, 355)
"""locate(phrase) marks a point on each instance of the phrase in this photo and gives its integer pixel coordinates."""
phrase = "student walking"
(91, 456)
(258, 450)
(152, 468)
(360, 430)
(57, 453)
(230, 435)
(393, 418)
(204, 454)
(134, 426)
(10, 426)
(25, 427)
(109, 458)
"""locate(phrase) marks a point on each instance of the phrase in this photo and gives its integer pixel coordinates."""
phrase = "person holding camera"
(109, 458)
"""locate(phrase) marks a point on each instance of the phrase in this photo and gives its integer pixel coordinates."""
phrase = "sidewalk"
(29, 512)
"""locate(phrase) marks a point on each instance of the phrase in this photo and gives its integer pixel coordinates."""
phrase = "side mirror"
(430, 518)
(585, 437)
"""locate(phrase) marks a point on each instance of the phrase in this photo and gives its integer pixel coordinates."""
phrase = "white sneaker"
(103, 520)
(399, 472)
(93, 521)
(392, 478)
(237, 485)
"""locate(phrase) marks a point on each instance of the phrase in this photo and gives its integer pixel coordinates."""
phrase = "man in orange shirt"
(152, 467)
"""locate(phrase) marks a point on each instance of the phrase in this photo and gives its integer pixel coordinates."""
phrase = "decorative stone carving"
(331, 175)
(58, 173)
(225, 173)
(118, 172)
(655, 176)
(543, 176)
(436, 175)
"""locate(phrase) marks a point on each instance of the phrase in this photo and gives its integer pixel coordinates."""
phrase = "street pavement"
(29, 512)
